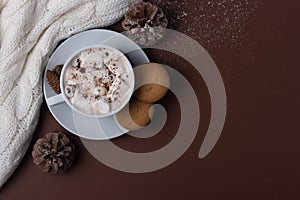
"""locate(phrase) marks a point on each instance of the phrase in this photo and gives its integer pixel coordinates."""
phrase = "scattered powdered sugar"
(210, 22)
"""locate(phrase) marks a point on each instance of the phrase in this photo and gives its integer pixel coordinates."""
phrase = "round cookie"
(135, 115)
(154, 81)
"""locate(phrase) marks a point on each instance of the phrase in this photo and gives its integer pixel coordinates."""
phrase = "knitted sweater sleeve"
(29, 32)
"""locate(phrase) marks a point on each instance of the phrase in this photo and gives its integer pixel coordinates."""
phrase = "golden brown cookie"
(135, 115)
(157, 82)
(53, 77)
(58, 69)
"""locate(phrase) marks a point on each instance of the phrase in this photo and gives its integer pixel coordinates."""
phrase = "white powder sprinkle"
(212, 23)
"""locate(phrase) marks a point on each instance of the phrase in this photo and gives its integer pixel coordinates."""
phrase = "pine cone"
(53, 77)
(145, 23)
(53, 153)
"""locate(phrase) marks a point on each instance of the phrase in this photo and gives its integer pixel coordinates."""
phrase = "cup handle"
(57, 99)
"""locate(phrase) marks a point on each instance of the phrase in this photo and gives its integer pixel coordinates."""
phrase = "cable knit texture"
(29, 32)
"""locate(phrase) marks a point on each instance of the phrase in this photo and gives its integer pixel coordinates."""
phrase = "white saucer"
(76, 123)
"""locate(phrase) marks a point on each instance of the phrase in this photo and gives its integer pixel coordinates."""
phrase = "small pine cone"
(145, 23)
(53, 77)
(53, 153)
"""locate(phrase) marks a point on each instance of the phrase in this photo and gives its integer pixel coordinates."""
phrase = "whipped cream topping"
(97, 81)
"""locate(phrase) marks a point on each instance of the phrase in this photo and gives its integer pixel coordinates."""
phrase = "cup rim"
(122, 105)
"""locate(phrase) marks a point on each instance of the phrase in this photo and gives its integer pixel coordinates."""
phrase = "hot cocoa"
(98, 80)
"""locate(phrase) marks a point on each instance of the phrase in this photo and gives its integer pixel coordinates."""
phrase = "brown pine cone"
(53, 77)
(54, 153)
(145, 23)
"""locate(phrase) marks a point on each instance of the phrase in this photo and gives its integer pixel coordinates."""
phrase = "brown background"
(258, 154)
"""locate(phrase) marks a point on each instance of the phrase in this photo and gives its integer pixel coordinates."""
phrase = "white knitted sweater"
(29, 32)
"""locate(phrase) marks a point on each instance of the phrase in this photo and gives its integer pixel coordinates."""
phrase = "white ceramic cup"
(62, 98)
